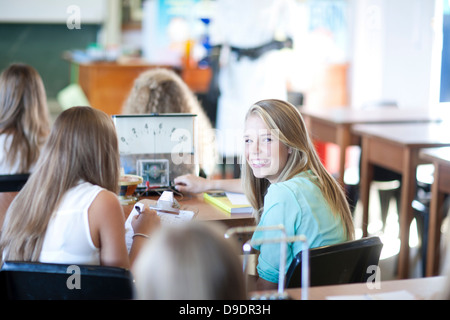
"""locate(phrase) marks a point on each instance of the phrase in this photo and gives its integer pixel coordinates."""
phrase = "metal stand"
(281, 294)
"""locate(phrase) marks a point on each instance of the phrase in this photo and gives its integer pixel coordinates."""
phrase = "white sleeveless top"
(68, 238)
(5, 143)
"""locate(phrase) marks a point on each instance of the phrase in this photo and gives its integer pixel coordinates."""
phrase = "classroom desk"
(440, 157)
(420, 288)
(396, 147)
(334, 125)
(205, 211)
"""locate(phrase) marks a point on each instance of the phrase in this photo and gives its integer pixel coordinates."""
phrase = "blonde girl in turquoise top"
(287, 184)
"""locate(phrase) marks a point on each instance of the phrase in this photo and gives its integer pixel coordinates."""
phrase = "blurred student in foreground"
(191, 261)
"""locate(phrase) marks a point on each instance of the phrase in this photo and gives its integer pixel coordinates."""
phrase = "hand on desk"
(194, 184)
(191, 184)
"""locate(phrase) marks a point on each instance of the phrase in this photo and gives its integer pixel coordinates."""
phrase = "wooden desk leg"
(365, 180)
(406, 214)
(435, 221)
(343, 141)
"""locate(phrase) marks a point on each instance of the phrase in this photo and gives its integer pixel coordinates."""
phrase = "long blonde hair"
(82, 146)
(161, 90)
(23, 115)
(283, 119)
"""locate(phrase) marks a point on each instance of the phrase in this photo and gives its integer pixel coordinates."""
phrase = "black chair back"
(13, 182)
(346, 262)
(48, 281)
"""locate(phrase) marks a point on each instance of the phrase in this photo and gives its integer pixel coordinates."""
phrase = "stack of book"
(229, 202)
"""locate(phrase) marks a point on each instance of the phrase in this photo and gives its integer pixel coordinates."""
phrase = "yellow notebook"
(221, 200)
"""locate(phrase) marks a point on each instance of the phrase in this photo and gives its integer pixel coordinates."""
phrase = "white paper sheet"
(237, 198)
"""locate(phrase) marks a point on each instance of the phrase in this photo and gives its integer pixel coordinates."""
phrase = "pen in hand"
(138, 208)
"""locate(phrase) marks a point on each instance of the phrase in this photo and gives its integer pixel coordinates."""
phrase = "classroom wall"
(39, 32)
(42, 45)
(51, 11)
(390, 55)
(392, 51)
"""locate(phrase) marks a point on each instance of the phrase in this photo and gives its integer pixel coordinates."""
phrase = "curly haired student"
(161, 90)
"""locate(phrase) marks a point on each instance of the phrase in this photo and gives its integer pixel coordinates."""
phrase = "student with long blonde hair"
(24, 118)
(68, 211)
(286, 184)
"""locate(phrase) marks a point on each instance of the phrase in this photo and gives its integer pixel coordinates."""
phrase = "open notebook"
(162, 209)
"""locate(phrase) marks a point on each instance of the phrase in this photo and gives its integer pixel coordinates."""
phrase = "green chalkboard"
(42, 46)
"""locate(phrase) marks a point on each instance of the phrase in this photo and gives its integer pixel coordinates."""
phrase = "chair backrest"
(48, 281)
(341, 263)
(13, 182)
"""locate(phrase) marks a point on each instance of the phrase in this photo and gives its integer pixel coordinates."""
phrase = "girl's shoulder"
(301, 186)
(300, 181)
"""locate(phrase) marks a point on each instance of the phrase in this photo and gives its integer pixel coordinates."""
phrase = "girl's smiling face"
(264, 153)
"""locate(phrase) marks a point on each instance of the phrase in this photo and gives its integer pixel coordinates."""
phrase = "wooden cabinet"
(107, 84)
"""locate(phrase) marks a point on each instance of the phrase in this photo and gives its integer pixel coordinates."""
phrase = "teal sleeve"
(280, 208)
(298, 205)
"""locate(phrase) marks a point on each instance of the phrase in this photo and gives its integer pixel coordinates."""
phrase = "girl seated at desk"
(24, 118)
(286, 184)
(68, 211)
